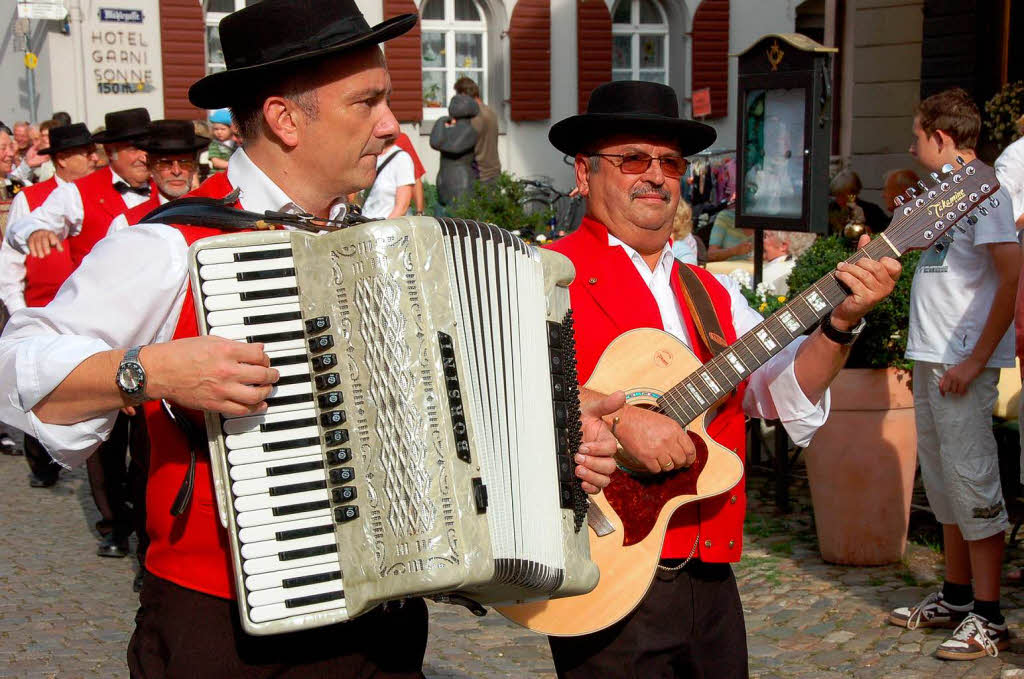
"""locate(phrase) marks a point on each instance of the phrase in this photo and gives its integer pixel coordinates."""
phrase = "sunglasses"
(164, 164)
(638, 163)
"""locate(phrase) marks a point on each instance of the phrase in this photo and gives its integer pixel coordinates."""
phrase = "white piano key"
(211, 272)
(255, 486)
(267, 501)
(253, 422)
(226, 286)
(266, 517)
(269, 564)
(258, 438)
(277, 578)
(257, 550)
(270, 531)
(278, 611)
(232, 316)
(222, 255)
(279, 595)
(293, 389)
(258, 470)
(241, 331)
(251, 455)
(234, 301)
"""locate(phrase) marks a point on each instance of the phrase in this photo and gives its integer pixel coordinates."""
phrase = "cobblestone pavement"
(65, 612)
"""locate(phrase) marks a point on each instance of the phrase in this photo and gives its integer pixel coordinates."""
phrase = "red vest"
(135, 214)
(191, 550)
(609, 298)
(44, 276)
(101, 203)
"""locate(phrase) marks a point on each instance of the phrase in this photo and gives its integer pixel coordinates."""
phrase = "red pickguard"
(638, 501)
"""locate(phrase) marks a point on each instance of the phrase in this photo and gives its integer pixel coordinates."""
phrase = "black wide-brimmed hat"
(630, 107)
(68, 137)
(126, 125)
(263, 37)
(172, 137)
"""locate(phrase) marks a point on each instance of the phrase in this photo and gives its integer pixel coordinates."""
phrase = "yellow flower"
(782, 299)
(764, 305)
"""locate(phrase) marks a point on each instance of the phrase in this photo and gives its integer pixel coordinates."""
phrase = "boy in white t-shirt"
(961, 308)
(391, 192)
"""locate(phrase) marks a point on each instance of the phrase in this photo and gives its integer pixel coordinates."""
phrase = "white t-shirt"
(953, 291)
(1010, 171)
(381, 199)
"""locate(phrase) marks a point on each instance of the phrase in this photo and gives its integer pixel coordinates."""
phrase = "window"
(639, 41)
(215, 11)
(453, 45)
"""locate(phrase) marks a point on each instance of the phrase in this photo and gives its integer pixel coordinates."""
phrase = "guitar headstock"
(929, 210)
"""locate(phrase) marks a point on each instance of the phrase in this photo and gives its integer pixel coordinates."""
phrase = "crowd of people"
(106, 373)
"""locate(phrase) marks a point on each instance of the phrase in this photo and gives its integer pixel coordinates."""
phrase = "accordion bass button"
(336, 437)
(345, 494)
(342, 475)
(324, 362)
(327, 381)
(347, 513)
(330, 400)
(333, 418)
(321, 343)
(339, 455)
(318, 324)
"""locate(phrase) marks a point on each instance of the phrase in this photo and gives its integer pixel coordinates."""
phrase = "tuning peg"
(935, 176)
(983, 211)
(920, 182)
(993, 201)
(972, 220)
(960, 160)
(960, 228)
(899, 200)
(911, 192)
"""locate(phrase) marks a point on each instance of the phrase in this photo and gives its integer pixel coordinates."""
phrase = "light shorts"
(957, 451)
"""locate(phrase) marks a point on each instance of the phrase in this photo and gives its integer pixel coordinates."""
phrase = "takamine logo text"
(938, 208)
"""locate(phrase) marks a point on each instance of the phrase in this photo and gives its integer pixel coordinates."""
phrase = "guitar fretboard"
(689, 399)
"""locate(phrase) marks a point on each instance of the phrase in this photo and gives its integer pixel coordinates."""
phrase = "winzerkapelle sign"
(122, 16)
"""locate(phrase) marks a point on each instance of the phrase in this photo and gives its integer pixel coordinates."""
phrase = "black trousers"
(39, 461)
(690, 625)
(183, 634)
(108, 479)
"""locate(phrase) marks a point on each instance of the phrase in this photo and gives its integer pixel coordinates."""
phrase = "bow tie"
(122, 187)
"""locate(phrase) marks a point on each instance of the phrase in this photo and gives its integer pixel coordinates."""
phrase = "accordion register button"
(343, 475)
(556, 363)
(347, 513)
(321, 343)
(565, 494)
(324, 362)
(480, 495)
(330, 400)
(557, 388)
(339, 455)
(318, 324)
(346, 494)
(561, 414)
(333, 419)
(336, 437)
(554, 334)
(564, 468)
(562, 442)
(327, 381)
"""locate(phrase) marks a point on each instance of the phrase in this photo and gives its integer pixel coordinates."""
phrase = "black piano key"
(301, 507)
(264, 274)
(293, 488)
(288, 445)
(330, 400)
(324, 362)
(297, 533)
(305, 553)
(288, 424)
(255, 295)
(292, 379)
(272, 318)
(313, 599)
(283, 469)
(342, 475)
(336, 437)
(262, 254)
(321, 343)
(333, 418)
(339, 455)
(318, 324)
(314, 579)
(288, 400)
(346, 494)
(346, 513)
(275, 337)
(287, 360)
(327, 381)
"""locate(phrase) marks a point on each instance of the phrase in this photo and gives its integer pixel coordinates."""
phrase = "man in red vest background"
(630, 149)
(314, 116)
(33, 281)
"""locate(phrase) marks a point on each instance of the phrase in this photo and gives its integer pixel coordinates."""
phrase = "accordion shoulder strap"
(702, 310)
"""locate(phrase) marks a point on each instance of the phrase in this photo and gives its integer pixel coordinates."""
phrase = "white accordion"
(420, 440)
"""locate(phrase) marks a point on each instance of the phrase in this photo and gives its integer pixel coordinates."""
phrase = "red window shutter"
(403, 54)
(530, 56)
(711, 53)
(182, 43)
(593, 47)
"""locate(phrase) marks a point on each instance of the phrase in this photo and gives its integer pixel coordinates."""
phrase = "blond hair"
(682, 222)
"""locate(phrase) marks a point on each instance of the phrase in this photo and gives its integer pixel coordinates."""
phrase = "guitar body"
(643, 363)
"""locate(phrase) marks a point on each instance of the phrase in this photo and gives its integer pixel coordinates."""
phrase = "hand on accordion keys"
(595, 461)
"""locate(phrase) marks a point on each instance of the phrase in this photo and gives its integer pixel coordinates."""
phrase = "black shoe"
(113, 547)
(39, 482)
(8, 446)
(137, 583)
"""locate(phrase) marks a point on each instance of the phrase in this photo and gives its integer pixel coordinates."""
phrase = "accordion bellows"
(421, 438)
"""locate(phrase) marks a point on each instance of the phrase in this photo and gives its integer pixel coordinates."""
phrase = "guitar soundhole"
(638, 500)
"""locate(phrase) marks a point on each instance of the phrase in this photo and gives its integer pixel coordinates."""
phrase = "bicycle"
(566, 209)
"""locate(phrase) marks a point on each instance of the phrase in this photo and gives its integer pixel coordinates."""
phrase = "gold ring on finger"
(667, 465)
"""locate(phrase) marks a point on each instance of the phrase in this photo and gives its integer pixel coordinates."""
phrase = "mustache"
(646, 188)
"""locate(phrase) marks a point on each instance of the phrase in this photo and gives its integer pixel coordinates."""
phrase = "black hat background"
(172, 137)
(68, 137)
(267, 35)
(630, 107)
(126, 125)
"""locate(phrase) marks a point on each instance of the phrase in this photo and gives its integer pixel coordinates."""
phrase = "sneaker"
(975, 638)
(932, 612)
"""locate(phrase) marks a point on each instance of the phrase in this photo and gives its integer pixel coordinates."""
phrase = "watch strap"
(132, 355)
(841, 336)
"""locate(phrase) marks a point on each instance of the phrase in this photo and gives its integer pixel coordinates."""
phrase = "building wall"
(14, 104)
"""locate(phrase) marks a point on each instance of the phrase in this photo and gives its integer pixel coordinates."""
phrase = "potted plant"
(861, 462)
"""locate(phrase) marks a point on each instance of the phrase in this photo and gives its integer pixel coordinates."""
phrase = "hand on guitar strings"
(868, 281)
(652, 442)
(595, 462)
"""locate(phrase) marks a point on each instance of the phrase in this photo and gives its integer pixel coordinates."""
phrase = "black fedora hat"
(123, 126)
(68, 137)
(172, 137)
(631, 107)
(274, 33)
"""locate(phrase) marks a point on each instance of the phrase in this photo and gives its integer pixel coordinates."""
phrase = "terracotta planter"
(861, 468)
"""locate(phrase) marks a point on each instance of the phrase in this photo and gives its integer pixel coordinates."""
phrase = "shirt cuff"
(45, 361)
(71, 445)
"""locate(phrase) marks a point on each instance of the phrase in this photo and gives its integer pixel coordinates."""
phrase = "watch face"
(131, 378)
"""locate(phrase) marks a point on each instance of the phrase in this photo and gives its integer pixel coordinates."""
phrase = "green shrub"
(1001, 114)
(500, 202)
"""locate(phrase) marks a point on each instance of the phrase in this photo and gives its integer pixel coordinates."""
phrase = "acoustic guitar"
(629, 518)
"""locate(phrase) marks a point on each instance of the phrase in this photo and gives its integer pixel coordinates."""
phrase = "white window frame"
(450, 27)
(212, 19)
(635, 29)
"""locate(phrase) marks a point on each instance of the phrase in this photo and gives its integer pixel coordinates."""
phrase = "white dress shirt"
(12, 262)
(1010, 172)
(128, 291)
(773, 392)
(62, 213)
(120, 222)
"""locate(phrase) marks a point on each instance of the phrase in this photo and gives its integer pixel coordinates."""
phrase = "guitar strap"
(698, 301)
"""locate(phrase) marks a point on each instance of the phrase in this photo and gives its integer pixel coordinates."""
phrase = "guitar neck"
(704, 387)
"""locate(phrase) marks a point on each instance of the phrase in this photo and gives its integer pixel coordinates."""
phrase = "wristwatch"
(841, 336)
(131, 376)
